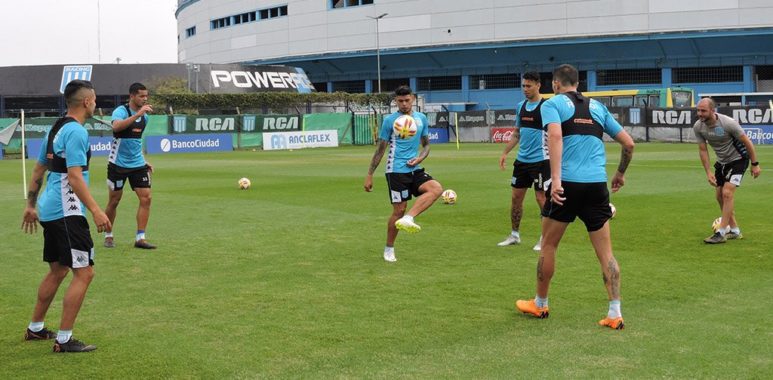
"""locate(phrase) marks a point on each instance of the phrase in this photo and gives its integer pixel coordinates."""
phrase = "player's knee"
(145, 199)
(398, 209)
(59, 273)
(84, 274)
(436, 189)
(727, 194)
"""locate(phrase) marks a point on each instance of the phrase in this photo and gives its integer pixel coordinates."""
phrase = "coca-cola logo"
(499, 135)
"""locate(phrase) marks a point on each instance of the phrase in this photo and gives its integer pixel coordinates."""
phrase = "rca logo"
(281, 123)
(215, 124)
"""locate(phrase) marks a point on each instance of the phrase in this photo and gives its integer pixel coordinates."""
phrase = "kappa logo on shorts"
(80, 259)
(395, 195)
(736, 179)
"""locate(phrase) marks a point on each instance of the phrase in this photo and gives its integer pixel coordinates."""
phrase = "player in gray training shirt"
(734, 153)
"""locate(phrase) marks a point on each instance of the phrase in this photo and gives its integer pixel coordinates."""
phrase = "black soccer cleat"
(143, 244)
(44, 334)
(73, 345)
(717, 238)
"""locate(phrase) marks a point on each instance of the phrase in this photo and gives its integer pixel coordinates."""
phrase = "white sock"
(723, 231)
(736, 230)
(515, 233)
(614, 309)
(389, 249)
(408, 218)
(140, 236)
(63, 336)
(541, 302)
(36, 326)
(108, 234)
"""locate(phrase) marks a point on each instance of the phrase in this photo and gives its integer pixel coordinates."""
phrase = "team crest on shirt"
(719, 131)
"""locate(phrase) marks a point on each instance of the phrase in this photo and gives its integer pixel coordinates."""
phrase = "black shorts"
(526, 174)
(588, 201)
(402, 186)
(116, 177)
(731, 172)
(68, 242)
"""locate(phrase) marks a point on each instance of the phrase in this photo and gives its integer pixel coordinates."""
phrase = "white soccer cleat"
(538, 246)
(403, 224)
(510, 241)
(390, 257)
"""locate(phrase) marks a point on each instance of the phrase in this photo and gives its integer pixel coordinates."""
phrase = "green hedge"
(272, 100)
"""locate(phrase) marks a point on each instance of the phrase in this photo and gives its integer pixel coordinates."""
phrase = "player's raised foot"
(407, 225)
(44, 334)
(509, 241)
(538, 246)
(73, 345)
(717, 238)
(390, 257)
(613, 323)
(530, 307)
(734, 236)
(143, 244)
(109, 242)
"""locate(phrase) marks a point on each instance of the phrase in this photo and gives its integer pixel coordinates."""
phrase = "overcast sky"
(47, 32)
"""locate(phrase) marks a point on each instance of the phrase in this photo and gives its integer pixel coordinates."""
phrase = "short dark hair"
(136, 87)
(403, 90)
(567, 75)
(72, 90)
(532, 75)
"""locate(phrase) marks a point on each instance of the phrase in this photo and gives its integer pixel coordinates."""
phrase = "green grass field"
(286, 280)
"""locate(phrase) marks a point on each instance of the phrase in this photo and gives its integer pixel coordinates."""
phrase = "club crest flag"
(71, 73)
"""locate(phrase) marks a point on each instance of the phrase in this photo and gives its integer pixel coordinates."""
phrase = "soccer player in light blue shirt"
(67, 242)
(405, 135)
(127, 164)
(575, 126)
(531, 166)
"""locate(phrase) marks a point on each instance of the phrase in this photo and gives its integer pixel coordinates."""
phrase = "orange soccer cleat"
(530, 307)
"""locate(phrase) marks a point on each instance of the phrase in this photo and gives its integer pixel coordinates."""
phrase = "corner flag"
(7, 133)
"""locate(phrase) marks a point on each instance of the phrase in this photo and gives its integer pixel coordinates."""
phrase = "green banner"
(342, 122)
(158, 125)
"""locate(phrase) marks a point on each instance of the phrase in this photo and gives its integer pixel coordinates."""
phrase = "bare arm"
(422, 154)
(509, 147)
(381, 146)
(703, 152)
(30, 219)
(752, 155)
(626, 154)
(120, 125)
(556, 149)
(81, 189)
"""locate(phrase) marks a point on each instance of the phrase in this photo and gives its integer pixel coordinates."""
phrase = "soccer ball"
(716, 223)
(404, 127)
(244, 183)
(614, 210)
(449, 197)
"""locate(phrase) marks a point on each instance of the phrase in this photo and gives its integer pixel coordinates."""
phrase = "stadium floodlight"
(378, 49)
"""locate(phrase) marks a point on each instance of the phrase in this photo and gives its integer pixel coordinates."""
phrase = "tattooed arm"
(381, 146)
(30, 219)
(625, 158)
(423, 154)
